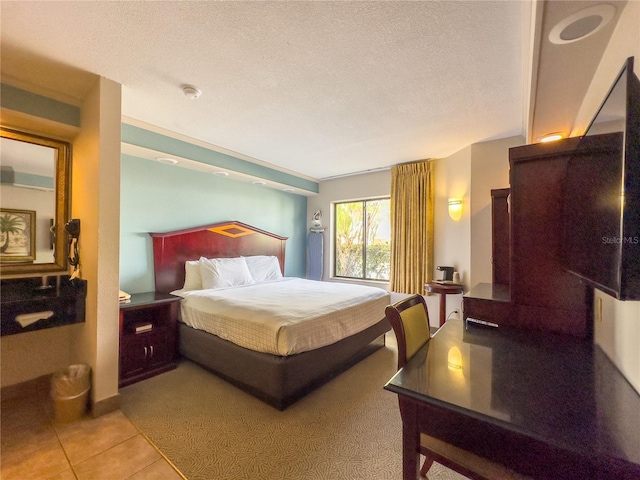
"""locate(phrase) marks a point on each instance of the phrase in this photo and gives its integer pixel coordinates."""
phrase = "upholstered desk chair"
(409, 319)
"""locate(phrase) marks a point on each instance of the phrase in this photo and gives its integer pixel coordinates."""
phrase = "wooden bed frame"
(277, 380)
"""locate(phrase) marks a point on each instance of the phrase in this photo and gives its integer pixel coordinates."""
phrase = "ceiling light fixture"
(259, 182)
(289, 190)
(220, 174)
(582, 24)
(191, 92)
(167, 160)
(551, 137)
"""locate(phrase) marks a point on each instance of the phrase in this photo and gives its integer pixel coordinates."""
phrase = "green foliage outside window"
(363, 239)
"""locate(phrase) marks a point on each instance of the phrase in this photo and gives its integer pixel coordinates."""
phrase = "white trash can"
(69, 391)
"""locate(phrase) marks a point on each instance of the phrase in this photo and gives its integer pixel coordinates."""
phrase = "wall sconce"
(454, 359)
(455, 208)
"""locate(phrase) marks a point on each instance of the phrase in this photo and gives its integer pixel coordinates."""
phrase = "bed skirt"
(278, 380)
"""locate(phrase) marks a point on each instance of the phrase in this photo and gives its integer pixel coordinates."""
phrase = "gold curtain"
(412, 203)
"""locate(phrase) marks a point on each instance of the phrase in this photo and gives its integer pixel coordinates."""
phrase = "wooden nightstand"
(147, 336)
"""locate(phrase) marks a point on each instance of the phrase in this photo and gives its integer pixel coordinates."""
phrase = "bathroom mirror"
(34, 203)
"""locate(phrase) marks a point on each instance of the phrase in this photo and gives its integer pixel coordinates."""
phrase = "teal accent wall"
(156, 198)
(172, 146)
(27, 179)
(31, 103)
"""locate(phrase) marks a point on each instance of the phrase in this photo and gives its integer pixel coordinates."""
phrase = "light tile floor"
(109, 447)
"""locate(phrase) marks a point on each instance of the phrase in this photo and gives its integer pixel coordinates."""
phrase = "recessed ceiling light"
(551, 137)
(289, 190)
(191, 92)
(167, 160)
(220, 174)
(259, 182)
(582, 24)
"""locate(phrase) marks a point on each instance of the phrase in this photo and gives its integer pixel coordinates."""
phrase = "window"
(362, 238)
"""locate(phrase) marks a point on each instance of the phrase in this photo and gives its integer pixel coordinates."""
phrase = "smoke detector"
(191, 92)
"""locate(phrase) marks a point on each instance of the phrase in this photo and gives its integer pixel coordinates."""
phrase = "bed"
(294, 357)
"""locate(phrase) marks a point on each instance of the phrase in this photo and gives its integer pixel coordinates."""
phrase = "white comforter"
(284, 317)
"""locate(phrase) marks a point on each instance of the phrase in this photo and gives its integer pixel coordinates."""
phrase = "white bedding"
(284, 317)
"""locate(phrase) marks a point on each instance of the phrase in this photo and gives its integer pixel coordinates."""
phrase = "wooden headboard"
(219, 240)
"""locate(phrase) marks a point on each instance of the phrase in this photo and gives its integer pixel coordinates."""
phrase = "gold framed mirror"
(34, 203)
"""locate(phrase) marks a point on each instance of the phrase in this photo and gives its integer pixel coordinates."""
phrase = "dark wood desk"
(550, 406)
(443, 289)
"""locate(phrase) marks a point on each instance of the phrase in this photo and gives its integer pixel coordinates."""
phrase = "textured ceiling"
(318, 88)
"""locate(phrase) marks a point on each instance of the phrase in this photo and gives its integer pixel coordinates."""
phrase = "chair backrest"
(409, 319)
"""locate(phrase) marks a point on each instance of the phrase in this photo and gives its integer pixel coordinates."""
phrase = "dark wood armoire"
(530, 287)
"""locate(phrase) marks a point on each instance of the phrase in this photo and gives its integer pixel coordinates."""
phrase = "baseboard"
(41, 387)
(105, 406)
(35, 387)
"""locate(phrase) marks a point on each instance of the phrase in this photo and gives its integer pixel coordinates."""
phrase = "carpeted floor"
(348, 429)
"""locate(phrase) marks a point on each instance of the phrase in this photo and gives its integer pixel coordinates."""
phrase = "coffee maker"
(447, 274)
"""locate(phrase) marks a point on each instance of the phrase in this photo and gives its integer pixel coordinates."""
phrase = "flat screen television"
(601, 212)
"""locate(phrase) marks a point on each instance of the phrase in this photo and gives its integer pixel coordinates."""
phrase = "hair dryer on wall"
(73, 230)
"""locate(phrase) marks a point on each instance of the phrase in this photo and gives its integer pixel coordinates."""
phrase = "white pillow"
(224, 272)
(192, 276)
(264, 268)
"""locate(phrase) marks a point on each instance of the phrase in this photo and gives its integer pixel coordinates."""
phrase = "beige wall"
(95, 200)
(489, 170)
(470, 174)
(617, 329)
(625, 42)
(31, 355)
(352, 187)
(477, 168)
(452, 238)
(98, 147)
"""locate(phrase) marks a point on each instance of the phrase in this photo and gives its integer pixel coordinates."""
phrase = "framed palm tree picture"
(17, 235)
